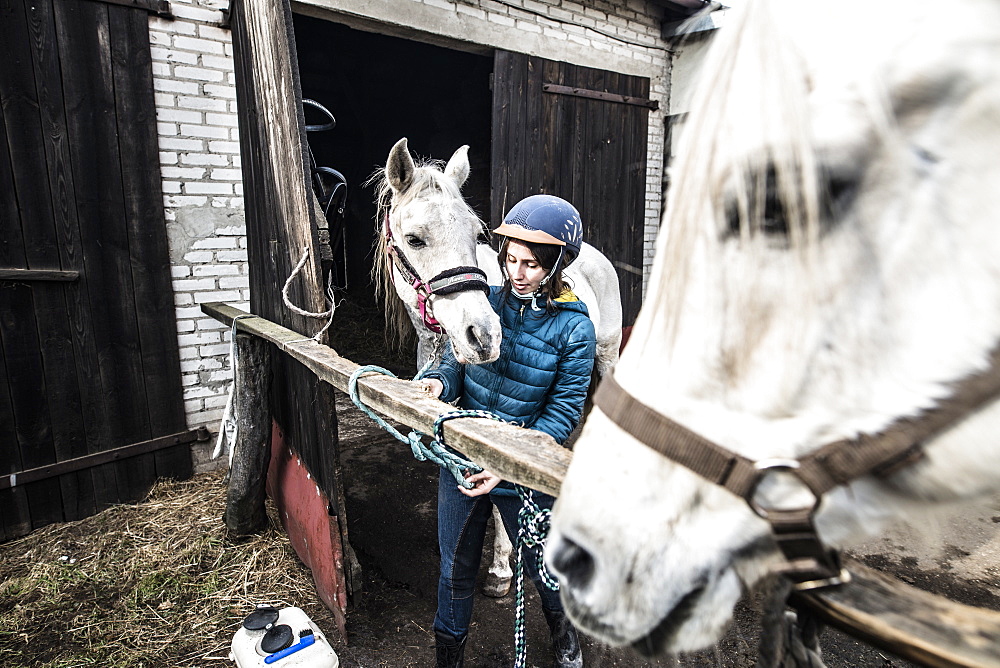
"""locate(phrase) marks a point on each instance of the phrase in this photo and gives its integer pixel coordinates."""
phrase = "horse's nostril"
(476, 336)
(572, 562)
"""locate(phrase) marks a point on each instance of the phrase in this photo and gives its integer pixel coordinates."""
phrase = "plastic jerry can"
(283, 639)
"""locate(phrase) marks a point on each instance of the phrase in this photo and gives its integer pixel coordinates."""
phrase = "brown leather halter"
(810, 565)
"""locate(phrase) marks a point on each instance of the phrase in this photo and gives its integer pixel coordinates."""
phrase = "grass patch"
(157, 583)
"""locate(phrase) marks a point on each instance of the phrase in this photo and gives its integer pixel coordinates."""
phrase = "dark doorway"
(382, 88)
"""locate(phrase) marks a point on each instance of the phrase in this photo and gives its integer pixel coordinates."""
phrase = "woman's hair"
(546, 255)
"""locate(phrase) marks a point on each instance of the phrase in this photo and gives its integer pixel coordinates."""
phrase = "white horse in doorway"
(425, 231)
(829, 271)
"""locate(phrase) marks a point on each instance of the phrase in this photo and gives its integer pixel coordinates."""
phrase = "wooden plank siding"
(588, 150)
(90, 364)
(86, 424)
(149, 255)
(282, 218)
(19, 319)
(88, 84)
(13, 507)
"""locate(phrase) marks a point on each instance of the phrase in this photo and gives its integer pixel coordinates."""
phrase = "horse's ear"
(399, 168)
(458, 166)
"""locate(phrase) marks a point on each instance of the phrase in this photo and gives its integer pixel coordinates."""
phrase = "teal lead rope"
(435, 450)
(532, 520)
(532, 530)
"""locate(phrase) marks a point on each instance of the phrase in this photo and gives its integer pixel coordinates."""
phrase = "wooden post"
(282, 218)
(245, 513)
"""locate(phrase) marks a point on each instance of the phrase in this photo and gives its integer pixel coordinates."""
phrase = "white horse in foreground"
(829, 270)
(426, 231)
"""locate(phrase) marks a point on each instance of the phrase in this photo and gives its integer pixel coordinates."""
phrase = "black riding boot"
(450, 652)
(565, 642)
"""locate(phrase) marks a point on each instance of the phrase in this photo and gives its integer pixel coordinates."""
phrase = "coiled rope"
(309, 314)
(532, 530)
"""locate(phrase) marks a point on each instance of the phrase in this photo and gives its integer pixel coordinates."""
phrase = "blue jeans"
(461, 531)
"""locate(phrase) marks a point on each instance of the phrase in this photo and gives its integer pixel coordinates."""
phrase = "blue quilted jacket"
(540, 379)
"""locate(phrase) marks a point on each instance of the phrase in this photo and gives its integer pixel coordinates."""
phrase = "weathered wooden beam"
(104, 457)
(600, 95)
(910, 623)
(524, 456)
(25, 275)
(245, 511)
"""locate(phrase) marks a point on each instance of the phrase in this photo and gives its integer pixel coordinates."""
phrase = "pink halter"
(458, 279)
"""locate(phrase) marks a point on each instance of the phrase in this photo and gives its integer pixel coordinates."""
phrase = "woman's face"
(522, 267)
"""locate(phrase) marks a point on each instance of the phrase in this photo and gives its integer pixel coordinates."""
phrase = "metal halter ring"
(768, 466)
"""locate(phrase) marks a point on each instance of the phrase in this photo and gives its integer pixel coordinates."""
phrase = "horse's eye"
(764, 204)
(838, 197)
(414, 241)
(774, 222)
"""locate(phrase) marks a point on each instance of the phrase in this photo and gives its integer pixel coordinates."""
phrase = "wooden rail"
(884, 612)
(25, 275)
(524, 456)
(909, 622)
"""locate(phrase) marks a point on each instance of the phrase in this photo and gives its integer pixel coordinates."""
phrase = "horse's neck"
(486, 257)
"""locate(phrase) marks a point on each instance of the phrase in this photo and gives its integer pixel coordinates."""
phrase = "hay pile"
(153, 584)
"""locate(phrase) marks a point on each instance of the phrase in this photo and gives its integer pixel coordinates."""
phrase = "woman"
(539, 381)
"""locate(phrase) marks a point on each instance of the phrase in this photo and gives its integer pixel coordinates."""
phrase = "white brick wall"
(202, 193)
(199, 143)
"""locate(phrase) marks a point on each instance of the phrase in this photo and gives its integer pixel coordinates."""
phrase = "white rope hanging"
(308, 314)
(228, 428)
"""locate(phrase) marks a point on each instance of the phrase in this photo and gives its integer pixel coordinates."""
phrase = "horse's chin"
(475, 356)
(697, 621)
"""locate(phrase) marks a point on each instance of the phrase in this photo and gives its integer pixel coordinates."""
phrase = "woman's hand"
(432, 386)
(482, 483)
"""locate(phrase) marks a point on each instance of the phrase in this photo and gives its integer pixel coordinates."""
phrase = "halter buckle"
(842, 576)
(809, 564)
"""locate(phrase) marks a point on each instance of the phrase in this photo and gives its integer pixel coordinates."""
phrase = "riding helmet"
(545, 219)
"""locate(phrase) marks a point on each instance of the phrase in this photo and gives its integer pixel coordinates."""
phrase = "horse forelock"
(745, 150)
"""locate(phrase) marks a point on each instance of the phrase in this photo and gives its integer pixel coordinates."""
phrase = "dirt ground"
(391, 506)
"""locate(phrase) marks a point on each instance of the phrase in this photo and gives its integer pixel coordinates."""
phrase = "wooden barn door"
(581, 134)
(91, 407)
(283, 218)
